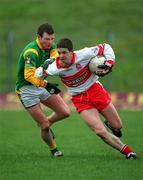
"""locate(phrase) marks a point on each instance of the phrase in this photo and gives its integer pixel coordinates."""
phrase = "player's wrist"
(109, 63)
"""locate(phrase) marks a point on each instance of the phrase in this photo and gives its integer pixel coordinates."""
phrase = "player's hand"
(52, 88)
(104, 69)
(40, 72)
(47, 63)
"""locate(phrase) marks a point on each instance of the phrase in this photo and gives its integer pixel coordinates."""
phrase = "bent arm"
(31, 57)
(107, 51)
(51, 70)
(29, 75)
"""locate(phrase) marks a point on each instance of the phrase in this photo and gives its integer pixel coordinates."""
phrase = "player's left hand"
(104, 69)
(47, 63)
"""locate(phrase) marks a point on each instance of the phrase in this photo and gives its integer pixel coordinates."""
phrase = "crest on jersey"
(78, 66)
(28, 58)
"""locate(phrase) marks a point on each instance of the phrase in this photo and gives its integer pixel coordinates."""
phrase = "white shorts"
(31, 95)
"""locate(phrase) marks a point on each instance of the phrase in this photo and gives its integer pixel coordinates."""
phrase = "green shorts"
(31, 95)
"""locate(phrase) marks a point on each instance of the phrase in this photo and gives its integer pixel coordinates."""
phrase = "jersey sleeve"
(30, 57)
(109, 54)
(52, 69)
(106, 51)
(85, 53)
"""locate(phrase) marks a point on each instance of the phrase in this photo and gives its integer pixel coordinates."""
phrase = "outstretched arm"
(41, 72)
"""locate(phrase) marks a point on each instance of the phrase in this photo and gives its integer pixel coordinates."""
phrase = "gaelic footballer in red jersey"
(87, 93)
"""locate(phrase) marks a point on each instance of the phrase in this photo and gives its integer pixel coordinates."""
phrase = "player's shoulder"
(31, 44)
(83, 53)
(31, 50)
(85, 49)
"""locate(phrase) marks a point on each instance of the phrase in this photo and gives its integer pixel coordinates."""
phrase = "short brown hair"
(45, 28)
(65, 43)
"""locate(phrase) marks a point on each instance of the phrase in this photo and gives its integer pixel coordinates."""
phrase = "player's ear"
(39, 37)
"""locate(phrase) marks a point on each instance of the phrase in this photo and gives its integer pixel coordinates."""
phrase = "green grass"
(24, 156)
(87, 23)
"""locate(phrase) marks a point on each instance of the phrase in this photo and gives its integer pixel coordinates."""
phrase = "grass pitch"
(23, 155)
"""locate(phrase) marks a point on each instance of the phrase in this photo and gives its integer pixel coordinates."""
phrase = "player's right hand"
(40, 72)
(104, 69)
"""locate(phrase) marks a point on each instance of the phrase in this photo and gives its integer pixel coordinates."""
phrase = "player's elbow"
(109, 52)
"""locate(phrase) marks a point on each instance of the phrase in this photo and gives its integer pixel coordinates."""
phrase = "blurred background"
(87, 23)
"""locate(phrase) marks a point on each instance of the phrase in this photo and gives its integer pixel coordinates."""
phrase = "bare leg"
(92, 119)
(38, 115)
(60, 108)
(111, 115)
(48, 139)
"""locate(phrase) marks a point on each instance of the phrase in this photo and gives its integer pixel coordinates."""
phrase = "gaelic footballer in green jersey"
(33, 91)
(32, 57)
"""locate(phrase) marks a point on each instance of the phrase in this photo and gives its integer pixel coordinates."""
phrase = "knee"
(118, 125)
(66, 113)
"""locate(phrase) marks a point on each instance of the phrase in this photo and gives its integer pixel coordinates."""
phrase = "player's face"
(65, 56)
(47, 40)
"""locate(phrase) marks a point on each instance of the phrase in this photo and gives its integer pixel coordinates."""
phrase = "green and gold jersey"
(31, 58)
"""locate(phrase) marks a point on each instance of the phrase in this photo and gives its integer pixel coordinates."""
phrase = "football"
(95, 62)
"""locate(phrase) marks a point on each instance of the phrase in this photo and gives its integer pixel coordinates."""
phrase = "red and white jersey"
(77, 77)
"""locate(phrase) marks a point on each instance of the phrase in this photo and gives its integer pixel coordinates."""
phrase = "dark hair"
(45, 28)
(65, 43)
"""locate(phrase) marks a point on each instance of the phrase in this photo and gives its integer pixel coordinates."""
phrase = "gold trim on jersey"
(31, 50)
(29, 75)
(54, 53)
(39, 44)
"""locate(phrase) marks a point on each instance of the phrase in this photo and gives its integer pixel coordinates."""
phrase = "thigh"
(56, 103)
(92, 119)
(37, 113)
(111, 115)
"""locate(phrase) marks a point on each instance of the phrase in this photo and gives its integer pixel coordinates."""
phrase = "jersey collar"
(39, 43)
